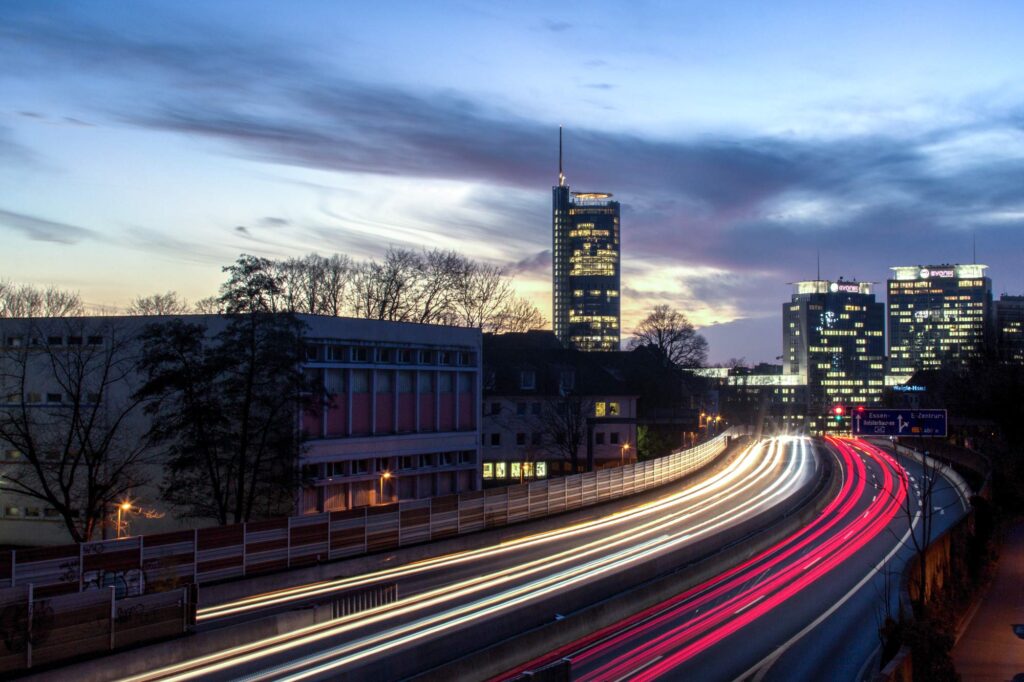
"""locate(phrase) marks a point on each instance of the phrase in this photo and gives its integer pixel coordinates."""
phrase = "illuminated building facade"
(1010, 328)
(833, 336)
(586, 274)
(939, 315)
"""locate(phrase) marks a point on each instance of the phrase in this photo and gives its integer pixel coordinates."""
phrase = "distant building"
(586, 267)
(402, 399)
(762, 395)
(939, 316)
(1010, 328)
(538, 399)
(833, 338)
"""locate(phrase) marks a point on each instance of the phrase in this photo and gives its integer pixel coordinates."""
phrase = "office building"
(833, 338)
(400, 418)
(939, 316)
(1010, 328)
(586, 267)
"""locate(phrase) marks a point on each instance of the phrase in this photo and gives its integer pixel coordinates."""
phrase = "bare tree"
(564, 421)
(210, 305)
(159, 304)
(70, 420)
(387, 290)
(669, 331)
(24, 300)
(518, 315)
(336, 272)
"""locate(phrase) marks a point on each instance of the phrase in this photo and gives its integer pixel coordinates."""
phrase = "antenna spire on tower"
(561, 175)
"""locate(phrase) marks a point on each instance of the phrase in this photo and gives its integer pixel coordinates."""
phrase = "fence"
(39, 630)
(154, 563)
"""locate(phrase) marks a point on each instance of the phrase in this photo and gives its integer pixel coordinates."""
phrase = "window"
(54, 398)
(405, 382)
(527, 380)
(12, 455)
(600, 409)
(312, 352)
(520, 439)
(12, 511)
(516, 470)
(92, 398)
(33, 397)
(542, 469)
(535, 438)
(360, 354)
(360, 381)
(499, 469)
(33, 512)
(335, 382)
(360, 466)
(467, 358)
(55, 340)
(520, 409)
(14, 341)
(74, 340)
(599, 438)
(567, 381)
(495, 439)
(384, 355)
(444, 382)
(444, 357)
(465, 382)
(528, 469)
(337, 353)
(384, 383)
(408, 462)
(426, 382)
(405, 355)
(613, 409)
(488, 470)
(426, 357)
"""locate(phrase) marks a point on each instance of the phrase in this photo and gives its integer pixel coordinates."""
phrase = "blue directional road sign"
(869, 422)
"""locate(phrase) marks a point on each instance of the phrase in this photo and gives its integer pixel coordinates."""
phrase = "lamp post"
(122, 508)
(622, 453)
(383, 477)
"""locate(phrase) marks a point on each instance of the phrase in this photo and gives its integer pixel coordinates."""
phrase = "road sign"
(869, 422)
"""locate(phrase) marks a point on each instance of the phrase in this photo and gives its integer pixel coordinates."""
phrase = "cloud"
(749, 212)
(537, 264)
(599, 86)
(42, 230)
(557, 26)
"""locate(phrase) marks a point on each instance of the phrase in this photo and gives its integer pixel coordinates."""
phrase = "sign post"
(926, 423)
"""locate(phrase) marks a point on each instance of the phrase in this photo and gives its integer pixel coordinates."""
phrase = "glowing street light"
(122, 509)
(622, 453)
(385, 475)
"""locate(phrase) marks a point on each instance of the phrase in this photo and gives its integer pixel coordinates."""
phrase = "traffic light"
(838, 410)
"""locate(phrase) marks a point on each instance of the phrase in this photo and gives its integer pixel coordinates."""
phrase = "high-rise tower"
(585, 271)
(939, 316)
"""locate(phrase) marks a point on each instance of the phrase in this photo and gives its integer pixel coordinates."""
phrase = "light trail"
(525, 582)
(719, 481)
(664, 636)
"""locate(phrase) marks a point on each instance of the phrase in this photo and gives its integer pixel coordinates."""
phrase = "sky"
(144, 145)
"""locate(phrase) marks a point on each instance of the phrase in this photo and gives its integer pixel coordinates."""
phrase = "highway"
(455, 604)
(807, 608)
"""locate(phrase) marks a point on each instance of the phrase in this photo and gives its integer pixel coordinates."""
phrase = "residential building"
(833, 338)
(400, 419)
(543, 403)
(586, 267)
(939, 316)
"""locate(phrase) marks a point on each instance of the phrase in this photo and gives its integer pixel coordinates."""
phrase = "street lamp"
(122, 508)
(622, 453)
(383, 477)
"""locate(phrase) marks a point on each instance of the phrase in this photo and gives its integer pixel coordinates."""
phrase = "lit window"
(542, 469)
(599, 409)
(516, 470)
(499, 469)
(488, 470)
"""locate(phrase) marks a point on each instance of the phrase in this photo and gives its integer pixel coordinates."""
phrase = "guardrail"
(154, 563)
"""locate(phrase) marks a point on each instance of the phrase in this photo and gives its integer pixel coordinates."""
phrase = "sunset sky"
(144, 144)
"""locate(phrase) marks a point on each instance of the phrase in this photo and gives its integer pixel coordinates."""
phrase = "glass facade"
(586, 274)
(939, 315)
(833, 336)
(1010, 328)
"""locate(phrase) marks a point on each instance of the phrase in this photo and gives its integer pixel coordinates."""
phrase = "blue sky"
(143, 145)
